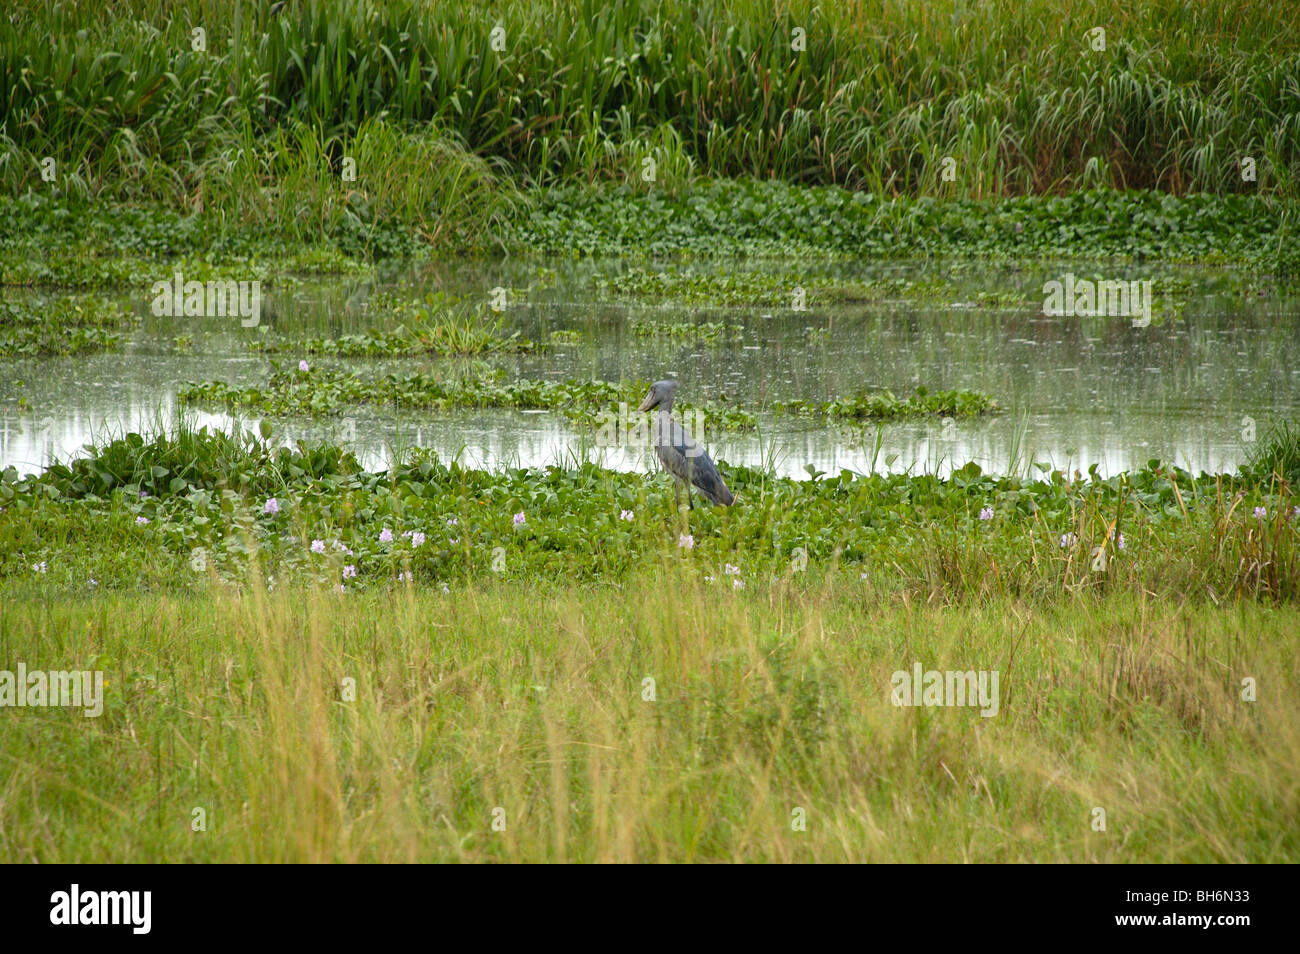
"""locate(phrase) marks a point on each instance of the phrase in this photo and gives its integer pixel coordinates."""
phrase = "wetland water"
(1075, 391)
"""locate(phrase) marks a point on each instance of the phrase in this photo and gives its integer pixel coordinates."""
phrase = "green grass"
(142, 506)
(387, 713)
(1278, 455)
(342, 665)
(881, 95)
(437, 326)
(529, 703)
(380, 129)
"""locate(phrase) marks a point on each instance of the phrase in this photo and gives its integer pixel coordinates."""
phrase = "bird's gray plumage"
(681, 455)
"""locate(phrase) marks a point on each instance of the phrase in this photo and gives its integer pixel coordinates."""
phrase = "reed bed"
(437, 101)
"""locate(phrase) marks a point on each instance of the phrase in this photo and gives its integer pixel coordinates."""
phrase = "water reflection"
(1077, 391)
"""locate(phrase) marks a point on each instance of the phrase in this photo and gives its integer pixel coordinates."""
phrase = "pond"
(1197, 387)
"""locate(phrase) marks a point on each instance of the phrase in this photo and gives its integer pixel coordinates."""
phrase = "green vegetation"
(340, 664)
(54, 327)
(230, 591)
(531, 698)
(1019, 97)
(880, 405)
(56, 243)
(378, 129)
(140, 506)
(784, 285)
(1278, 455)
(747, 218)
(706, 331)
(741, 219)
(772, 283)
(325, 391)
(436, 327)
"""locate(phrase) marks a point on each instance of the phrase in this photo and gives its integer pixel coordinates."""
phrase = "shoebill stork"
(680, 454)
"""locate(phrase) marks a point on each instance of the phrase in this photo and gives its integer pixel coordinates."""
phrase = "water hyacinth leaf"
(322, 139)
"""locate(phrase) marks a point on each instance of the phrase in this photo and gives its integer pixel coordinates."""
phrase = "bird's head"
(661, 393)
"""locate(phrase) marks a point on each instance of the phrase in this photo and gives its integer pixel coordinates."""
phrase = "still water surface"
(1076, 391)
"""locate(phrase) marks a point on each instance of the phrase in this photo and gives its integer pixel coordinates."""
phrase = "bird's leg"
(689, 500)
(677, 491)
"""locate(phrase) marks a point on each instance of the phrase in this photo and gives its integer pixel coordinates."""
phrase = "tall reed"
(879, 95)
